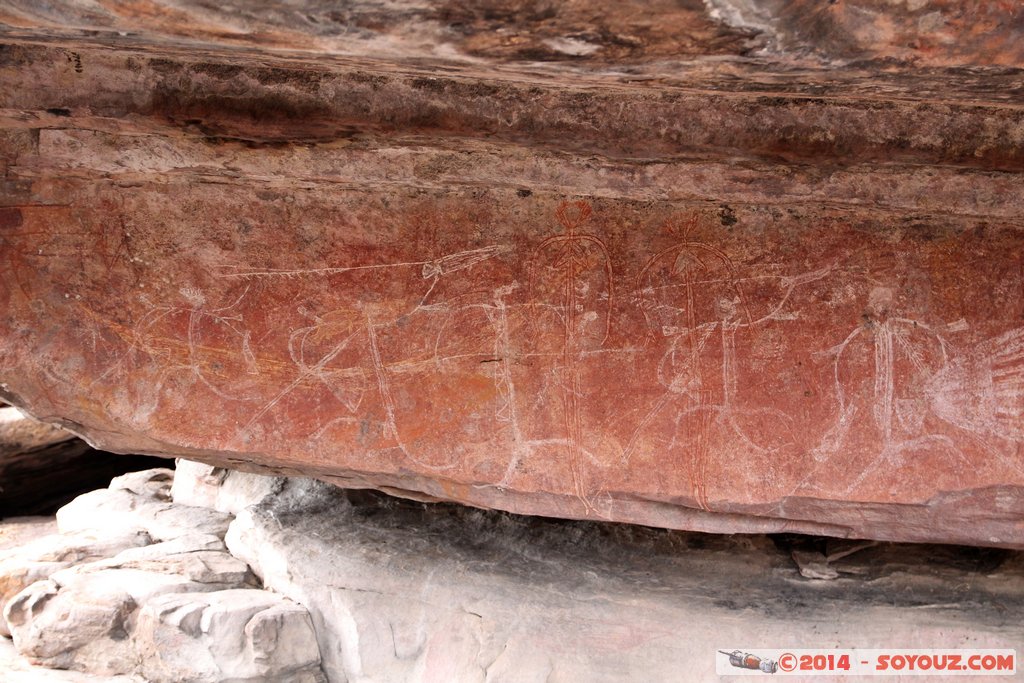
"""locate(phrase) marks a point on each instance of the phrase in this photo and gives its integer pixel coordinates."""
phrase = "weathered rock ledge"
(357, 586)
(137, 585)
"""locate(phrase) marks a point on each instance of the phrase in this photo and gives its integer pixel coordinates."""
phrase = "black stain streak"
(224, 72)
(261, 119)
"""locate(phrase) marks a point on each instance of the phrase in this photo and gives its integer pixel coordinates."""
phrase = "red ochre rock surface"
(749, 293)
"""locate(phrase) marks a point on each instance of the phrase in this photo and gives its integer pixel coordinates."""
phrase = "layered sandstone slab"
(731, 294)
(97, 598)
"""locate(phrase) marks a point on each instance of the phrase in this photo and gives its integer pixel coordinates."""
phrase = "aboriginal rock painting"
(102, 250)
(389, 351)
(695, 300)
(982, 393)
(571, 286)
(881, 371)
(581, 342)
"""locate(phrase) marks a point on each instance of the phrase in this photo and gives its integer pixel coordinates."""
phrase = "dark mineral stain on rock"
(10, 218)
(727, 216)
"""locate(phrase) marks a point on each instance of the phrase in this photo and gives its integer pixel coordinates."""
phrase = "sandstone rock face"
(776, 287)
(183, 609)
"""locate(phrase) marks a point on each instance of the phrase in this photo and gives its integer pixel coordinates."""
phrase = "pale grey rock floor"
(17, 531)
(312, 583)
(405, 591)
(16, 669)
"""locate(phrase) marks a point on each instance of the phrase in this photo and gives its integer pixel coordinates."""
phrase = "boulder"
(232, 491)
(195, 562)
(16, 532)
(189, 542)
(18, 670)
(119, 616)
(121, 509)
(104, 604)
(82, 617)
(39, 559)
(196, 483)
(85, 622)
(109, 521)
(153, 483)
(242, 489)
(241, 635)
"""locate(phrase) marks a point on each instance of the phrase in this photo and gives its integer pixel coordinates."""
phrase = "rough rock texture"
(182, 609)
(20, 433)
(19, 531)
(18, 670)
(256, 635)
(35, 561)
(120, 509)
(84, 623)
(199, 558)
(759, 275)
(928, 32)
(201, 485)
(400, 592)
(404, 592)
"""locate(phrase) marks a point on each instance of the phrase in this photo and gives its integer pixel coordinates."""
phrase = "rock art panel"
(761, 274)
(588, 350)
